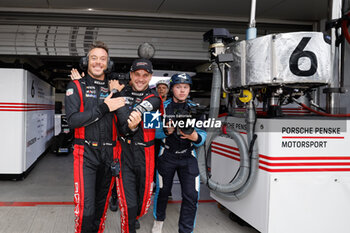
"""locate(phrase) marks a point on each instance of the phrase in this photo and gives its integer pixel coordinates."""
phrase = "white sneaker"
(157, 226)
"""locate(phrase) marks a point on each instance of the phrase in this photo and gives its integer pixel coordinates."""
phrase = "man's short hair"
(98, 44)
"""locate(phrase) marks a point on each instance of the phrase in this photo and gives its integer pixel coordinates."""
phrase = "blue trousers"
(188, 173)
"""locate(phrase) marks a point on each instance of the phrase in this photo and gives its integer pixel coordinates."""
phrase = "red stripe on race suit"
(78, 168)
(161, 107)
(78, 154)
(149, 135)
(146, 202)
(222, 115)
(124, 222)
(104, 215)
(80, 132)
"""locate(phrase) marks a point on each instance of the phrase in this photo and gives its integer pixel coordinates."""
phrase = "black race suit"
(136, 155)
(94, 144)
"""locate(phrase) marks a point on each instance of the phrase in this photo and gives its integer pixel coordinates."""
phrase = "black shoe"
(113, 204)
(137, 225)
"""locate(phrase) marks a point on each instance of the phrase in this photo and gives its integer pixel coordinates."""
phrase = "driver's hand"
(74, 74)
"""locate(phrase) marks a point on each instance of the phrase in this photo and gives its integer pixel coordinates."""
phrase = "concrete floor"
(43, 203)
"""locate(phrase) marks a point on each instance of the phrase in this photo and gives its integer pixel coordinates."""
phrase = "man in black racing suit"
(88, 106)
(136, 145)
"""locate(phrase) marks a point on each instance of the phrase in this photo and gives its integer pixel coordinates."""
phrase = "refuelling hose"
(320, 113)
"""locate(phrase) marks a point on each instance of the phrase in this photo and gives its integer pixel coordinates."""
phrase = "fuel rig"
(281, 160)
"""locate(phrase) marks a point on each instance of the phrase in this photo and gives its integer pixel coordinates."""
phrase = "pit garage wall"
(26, 119)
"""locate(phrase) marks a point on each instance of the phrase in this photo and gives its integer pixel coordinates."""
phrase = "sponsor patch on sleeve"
(69, 91)
(147, 105)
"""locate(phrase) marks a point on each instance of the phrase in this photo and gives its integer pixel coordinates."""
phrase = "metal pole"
(344, 10)
(334, 9)
(251, 31)
(252, 14)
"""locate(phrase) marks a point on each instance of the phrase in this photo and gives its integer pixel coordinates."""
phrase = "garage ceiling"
(299, 10)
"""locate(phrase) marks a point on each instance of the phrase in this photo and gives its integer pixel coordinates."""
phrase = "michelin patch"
(69, 91)
(137, 93)
(99, 82)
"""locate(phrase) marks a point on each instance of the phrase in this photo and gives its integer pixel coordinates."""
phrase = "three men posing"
(109, 130)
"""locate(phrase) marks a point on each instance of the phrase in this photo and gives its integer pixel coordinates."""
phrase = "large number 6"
(299, 53)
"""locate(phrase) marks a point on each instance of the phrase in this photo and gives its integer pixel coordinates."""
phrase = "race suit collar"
(95, 81)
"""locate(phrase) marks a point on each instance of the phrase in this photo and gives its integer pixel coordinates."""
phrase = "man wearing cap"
(136, 145)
